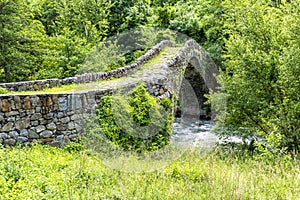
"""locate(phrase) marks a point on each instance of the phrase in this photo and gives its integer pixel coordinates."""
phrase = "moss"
(3, 91)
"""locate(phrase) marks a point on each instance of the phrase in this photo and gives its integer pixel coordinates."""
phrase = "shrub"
(76, 146)
(136, 122)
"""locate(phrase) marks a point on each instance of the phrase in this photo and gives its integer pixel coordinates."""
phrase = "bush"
(136, 122)
(74, 147)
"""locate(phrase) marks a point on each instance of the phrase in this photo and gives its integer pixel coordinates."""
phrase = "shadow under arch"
(200, 78)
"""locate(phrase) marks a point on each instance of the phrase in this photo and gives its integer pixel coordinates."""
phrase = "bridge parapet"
(87, 77)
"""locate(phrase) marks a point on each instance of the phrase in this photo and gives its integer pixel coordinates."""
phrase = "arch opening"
(192, 104)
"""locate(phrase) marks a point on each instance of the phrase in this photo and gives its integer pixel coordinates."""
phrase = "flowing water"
(190, 132)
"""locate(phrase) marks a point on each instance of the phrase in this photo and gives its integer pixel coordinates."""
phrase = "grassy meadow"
(42, 172)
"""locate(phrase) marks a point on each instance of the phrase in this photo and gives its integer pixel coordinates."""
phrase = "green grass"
(163, 56)
(57, 89)
(41, 172)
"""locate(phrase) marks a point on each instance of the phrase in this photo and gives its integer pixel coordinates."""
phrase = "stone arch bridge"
(56, 118)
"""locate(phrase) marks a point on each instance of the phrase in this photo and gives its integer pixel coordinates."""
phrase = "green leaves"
(48, 39)
(51, 39)
(261, 69)
(136, 122)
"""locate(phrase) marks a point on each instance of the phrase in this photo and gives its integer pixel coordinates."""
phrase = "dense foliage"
(137, 122)
(52, 38)
(262, 71)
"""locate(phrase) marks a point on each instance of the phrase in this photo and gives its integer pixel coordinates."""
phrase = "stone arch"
(199, 75)
(197, 82)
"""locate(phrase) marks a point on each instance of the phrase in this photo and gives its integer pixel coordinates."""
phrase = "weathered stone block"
(62, 103)
(27, 103)
(38, 109)
(71, 125)
(21, 139)
(7, 127)
(49, 116)
(35, 101)
(10, 142)
(43, 121)
(85, 101)
(5, 106)
(24, 133)
(70, 113)
(55, 98)
(66, 139)
(13, 134)
(22, 113)
(74, 117)
(55, 101)
(22, 123)
(62, 127)
(60, 115)
(30, 112)
(73, 137)
(66, 133)
(51, 126)
(36, 116)
(47, 140)
(47, 101)
(36, 87)
(57, 144)
(11, 119)
(46, 134)
(32, 134)
(60, 137)
(3, 135)
(78, 127)
(34, 123)
(17, 102)
(40, 128)
(65, 120)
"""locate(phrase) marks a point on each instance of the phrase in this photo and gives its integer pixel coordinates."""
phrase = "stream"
(189, 132)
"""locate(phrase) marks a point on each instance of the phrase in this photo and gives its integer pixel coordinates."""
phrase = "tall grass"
(42, 172)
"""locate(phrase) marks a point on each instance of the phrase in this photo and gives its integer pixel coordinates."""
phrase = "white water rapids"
(193, 132)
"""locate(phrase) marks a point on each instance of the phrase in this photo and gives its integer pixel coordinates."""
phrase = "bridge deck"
(150, 71)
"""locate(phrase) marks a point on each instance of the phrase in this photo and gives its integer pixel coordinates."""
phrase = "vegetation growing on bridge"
(137, 122)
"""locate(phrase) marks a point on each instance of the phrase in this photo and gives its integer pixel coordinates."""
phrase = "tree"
(73, 29)
(200, 20)
(21, 40)
(262, 71)
(119, 11)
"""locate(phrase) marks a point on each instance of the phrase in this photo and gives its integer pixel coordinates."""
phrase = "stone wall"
(53, 119)
(87, 77)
